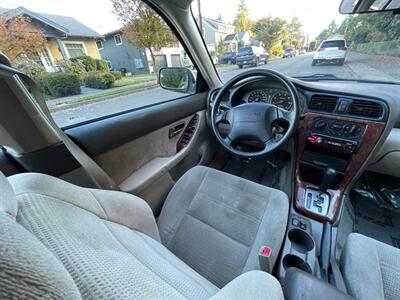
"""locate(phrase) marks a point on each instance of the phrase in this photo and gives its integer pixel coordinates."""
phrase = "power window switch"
(303, 225)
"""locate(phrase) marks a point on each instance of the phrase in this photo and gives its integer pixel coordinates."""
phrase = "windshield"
(245, 51)
(333, 44)
(301, 38)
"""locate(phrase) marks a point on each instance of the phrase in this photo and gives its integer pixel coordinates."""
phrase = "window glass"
(75, 50)
(301, 38)
(118, 39)
(105, 65)
(99, 44)
(333, 44)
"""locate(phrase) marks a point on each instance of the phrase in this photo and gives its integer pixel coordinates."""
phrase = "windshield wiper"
(321, 76)
(317, 77)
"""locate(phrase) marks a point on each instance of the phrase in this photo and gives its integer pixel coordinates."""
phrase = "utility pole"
(200, 17)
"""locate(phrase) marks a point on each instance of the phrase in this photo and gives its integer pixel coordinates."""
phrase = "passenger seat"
(371, 269)
(61, 241)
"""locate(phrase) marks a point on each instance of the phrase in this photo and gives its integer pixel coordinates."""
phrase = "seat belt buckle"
(264, 258)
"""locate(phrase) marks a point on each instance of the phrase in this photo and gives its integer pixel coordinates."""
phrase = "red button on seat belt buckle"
(265, 251)
(264, 258)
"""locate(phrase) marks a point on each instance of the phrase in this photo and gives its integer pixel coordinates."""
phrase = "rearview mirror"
(177, 79)
(369, 6)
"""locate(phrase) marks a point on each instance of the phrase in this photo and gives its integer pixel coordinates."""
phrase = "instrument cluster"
(275, 96)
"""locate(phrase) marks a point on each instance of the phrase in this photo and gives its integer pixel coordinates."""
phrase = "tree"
(295, 28)
(270, 31)
(142, 26)
(19, 38)
(328, 32)
(242, 21)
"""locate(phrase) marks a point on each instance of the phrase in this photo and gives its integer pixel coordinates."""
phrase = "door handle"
(174, 131)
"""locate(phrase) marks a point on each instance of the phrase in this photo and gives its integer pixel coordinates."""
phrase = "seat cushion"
(61, 241)
(217, 222)
(105, 259)
(371, 269)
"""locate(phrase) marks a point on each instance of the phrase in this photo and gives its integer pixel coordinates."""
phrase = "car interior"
(210, 195)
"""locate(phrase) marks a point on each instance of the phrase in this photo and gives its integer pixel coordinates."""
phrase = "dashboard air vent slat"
(366, 108)
(323, 103)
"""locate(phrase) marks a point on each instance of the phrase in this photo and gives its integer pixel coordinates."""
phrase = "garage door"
(176, 60)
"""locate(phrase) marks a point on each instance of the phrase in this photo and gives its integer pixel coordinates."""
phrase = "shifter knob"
(327, 180)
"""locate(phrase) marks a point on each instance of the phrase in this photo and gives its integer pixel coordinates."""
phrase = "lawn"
(127, 80)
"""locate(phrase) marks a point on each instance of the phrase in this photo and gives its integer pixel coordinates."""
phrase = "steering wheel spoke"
(288, 116)
(223, 115)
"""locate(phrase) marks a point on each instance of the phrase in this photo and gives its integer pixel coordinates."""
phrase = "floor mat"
(263, 171)
(377, 222)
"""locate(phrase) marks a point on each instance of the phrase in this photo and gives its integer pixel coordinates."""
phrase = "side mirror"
(177, 79)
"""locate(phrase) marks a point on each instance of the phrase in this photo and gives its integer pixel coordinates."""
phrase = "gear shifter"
(327, 179)
(317, 201)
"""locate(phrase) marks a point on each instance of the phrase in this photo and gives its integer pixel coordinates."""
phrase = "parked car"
(331, 51)
(289, 52)
(228, 58)
(251, 55)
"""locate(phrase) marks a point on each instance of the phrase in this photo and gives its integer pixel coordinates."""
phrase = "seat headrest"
(8, 201)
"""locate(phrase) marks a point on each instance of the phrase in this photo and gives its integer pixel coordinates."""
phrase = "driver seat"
(61, 241)
(217, 223)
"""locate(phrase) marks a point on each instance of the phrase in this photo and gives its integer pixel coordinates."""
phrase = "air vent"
(366, 109)
(323, 103)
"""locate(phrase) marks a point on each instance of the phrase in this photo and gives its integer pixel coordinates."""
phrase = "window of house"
(139, 86)
(99, 44)
(46, 57)
(75, 49)
(117, 39)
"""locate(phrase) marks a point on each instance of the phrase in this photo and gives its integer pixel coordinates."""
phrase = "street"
(357, 65)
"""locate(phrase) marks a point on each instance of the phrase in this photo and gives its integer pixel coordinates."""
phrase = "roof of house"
(214, 23)
(67, 25)
(230, 37)
(113, 32)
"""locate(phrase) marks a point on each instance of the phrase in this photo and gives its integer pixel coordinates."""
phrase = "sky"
(315, 15)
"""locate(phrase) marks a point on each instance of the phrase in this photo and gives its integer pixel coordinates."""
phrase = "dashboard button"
(343, 105)
(337, 127)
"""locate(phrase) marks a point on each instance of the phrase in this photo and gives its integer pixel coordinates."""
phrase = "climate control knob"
(321, 124)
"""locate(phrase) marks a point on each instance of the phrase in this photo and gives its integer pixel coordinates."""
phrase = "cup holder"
(294, 261)
(301, 240)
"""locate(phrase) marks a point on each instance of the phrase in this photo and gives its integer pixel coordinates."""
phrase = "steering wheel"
(258, 122)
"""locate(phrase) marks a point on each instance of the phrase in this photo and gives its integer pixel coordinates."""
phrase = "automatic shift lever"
(327, 179)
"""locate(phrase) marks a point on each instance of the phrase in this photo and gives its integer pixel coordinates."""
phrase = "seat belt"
(94, 172)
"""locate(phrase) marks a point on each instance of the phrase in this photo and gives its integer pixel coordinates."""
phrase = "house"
(172, 56)
(65, 36)
(122, 55)
(215, 31)
(231, 42)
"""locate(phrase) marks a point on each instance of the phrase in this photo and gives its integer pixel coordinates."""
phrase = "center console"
(329, 144)
(331, 148)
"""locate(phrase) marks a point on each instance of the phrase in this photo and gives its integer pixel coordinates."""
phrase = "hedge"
(91, 64)
(117, 74)
(99, 80)
(102, 65)
(59, 84)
